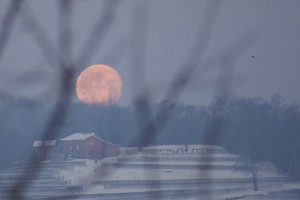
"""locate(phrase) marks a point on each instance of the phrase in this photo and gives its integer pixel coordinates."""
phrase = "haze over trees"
(252, 127)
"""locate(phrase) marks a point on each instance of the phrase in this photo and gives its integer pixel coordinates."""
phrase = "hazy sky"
(270, 65)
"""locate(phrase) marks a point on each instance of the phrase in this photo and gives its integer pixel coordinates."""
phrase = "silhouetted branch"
(150, 126)
(182, 78)
(137, 67)
(39, 35)
(51, 132)
(65, 32)
(226, 59)
(101, 28)
(7, 23)
(66, 80)
(66, 76)
(195, 56)
(138, 50)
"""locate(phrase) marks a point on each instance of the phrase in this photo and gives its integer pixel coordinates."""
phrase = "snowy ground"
(105, 179)
(227, 184)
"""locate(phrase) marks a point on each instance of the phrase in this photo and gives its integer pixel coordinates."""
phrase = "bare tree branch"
(67, 73)
(137, 65)
(182, 78)
(62, 106)
(65, 32)
(51, 132)
(7, 23)
(39, 35)
(98, 32)
(195, 56)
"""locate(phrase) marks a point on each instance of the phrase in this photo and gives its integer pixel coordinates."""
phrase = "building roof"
(48, 143)
(45, 143)
(175, 147)
(196, 146)
(79, 137)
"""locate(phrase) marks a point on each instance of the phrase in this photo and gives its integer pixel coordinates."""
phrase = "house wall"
(73, 148)
(111, 150)
(39, 153)
(42, 152)
(92, 148)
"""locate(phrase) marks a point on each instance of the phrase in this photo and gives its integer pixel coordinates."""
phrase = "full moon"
(99, 84)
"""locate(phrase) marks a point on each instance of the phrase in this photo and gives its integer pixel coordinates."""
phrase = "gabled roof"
(80, 137)
(45, 143)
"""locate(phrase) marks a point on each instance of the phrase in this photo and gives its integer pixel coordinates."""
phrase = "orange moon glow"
(99, 84)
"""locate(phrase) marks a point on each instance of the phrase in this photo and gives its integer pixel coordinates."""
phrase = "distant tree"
(246, 165)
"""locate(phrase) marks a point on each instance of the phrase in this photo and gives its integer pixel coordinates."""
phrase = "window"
(77, 146)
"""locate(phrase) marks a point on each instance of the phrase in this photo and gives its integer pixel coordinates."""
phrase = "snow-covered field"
(150, 175)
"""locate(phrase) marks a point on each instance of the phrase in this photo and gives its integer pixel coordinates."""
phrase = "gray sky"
(171, 31)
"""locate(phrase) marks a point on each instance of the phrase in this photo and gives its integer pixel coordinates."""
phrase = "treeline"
(260, 129)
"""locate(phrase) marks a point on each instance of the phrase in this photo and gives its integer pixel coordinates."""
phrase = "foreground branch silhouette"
(67, 71)
(68, 68)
